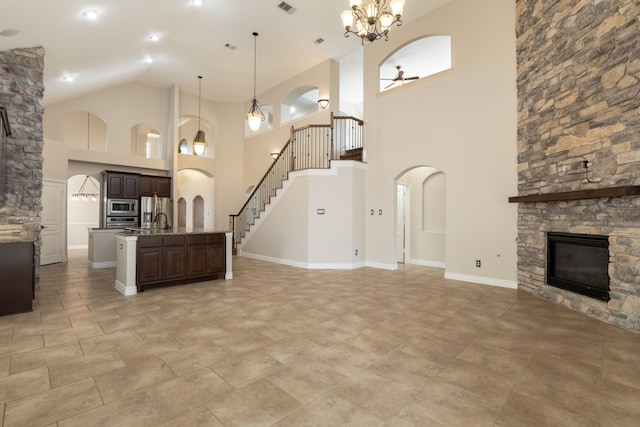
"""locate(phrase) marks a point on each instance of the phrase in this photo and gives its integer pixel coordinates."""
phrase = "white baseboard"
(104, 264)
(425, 263)
(125, 290)
(482, 280)
(305, 265)
(381, 265)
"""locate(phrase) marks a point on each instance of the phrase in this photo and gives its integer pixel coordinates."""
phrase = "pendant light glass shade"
(255, 117)
(199, 142)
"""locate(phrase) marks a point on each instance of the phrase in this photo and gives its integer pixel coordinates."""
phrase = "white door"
(401, 224)
(53, 227)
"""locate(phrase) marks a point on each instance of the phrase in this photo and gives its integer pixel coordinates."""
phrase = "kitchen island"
(152, 257)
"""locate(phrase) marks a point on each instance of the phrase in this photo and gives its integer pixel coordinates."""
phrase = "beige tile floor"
(281, 346)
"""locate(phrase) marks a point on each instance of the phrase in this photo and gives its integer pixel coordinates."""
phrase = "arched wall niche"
(147, 141)
(187, 129)
(191, 184)
(85, 131)
(419, 58)
(299, 103)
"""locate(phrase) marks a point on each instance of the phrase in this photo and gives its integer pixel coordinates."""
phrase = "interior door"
(53, 227)
(401, 222)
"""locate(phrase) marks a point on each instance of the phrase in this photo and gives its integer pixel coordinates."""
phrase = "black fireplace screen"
(579, 263)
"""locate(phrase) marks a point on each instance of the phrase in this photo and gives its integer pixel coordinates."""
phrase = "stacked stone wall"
(578, 87)
(21, 92)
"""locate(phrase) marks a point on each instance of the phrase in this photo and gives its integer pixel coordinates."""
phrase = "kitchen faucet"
(156, 221)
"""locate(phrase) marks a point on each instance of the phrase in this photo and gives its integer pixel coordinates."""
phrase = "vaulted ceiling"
(213, 40)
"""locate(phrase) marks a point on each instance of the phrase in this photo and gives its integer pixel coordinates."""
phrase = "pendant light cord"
(199, 99)
(255, 60)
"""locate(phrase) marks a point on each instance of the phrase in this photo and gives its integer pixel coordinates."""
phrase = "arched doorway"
(421, 216)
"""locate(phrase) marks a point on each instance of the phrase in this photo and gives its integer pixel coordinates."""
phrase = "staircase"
(309, 147)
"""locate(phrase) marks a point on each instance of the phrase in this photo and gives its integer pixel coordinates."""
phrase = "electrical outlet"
(478, 263)
(356, 252)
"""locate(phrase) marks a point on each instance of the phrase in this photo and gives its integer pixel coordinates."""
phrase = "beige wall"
(464, 123)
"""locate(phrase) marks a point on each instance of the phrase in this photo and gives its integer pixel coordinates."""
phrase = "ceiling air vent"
(230, 46)
(287, 7)
(319, 40)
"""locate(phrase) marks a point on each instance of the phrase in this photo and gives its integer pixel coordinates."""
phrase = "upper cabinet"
(121, 185)
(152, 185)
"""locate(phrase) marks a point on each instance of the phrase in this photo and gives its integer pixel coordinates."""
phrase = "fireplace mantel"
(594, 193)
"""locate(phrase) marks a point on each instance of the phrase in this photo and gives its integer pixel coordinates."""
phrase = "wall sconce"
(274, 155)
(323, 103)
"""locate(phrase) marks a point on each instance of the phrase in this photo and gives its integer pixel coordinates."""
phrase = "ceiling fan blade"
(387, 87)
(412, 78)
(388, 79)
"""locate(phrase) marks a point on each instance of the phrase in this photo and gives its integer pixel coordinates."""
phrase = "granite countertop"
(131, 231)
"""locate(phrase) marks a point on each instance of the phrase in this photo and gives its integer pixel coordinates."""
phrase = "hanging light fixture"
(199, 142)
(372, 19)
(254, 116)
(83, 192)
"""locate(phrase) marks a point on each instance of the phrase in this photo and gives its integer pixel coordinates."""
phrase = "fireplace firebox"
(579, 263)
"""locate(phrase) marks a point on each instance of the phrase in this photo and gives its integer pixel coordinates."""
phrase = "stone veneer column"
(578, 85)
(21, 92)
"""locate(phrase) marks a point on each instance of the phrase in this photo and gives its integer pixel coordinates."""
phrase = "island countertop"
(133, 231)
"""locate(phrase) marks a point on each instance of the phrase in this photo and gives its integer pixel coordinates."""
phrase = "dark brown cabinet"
(179, 258)
(17, 283)
(152, 185)
(121, 185)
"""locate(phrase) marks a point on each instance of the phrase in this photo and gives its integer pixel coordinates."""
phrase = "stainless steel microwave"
(122, 207)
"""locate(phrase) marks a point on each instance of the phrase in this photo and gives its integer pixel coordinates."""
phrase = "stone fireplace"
(21, 93)
(579, 144)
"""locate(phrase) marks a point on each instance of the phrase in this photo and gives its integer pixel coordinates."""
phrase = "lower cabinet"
(179, 258)
(17, 277)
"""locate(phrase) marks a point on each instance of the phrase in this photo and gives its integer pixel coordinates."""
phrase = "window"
(416, 60)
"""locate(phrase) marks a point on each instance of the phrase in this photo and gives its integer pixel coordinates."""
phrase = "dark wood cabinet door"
(149, 264)
(147, 186)
(174, 262)
(197, 259)
(16, 277)
(115, 185)
(163, 186)
(130, 187)
(215, 254)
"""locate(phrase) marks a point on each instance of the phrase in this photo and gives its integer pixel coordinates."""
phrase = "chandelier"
(372, 19)
(199, 142)
(83, 192)
(255, 117)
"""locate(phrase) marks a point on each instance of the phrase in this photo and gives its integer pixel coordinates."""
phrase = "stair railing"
(308, 147)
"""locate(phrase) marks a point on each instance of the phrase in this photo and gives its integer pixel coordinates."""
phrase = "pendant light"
(199, 142)
(254, 116)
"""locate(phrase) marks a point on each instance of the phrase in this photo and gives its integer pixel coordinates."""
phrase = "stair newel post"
(293, 142)
(332, 149)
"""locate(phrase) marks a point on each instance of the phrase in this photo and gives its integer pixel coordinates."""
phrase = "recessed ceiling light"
(90, 13)
(197, 2)
(148, 59)
(9, 32)
(154, 37)
(68, 78)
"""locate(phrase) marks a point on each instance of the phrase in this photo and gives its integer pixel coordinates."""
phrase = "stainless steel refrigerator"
(156, 212)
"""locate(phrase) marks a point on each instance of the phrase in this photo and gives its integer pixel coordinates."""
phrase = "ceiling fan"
(399, 78)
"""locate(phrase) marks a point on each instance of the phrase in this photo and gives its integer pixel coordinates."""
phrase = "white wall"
(291, 230)
(192, 183)
(464, 123)
(81, 214)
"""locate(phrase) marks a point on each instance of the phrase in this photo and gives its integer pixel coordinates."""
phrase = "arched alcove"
(85, 131)
(192, 183)
(421, 216)
(182, 212)
(146, 141)
(299, 103)
(82, 212)
(417, 59)
(187, 129)
(198, 212)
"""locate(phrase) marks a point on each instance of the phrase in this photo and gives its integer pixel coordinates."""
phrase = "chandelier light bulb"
(372, 19)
